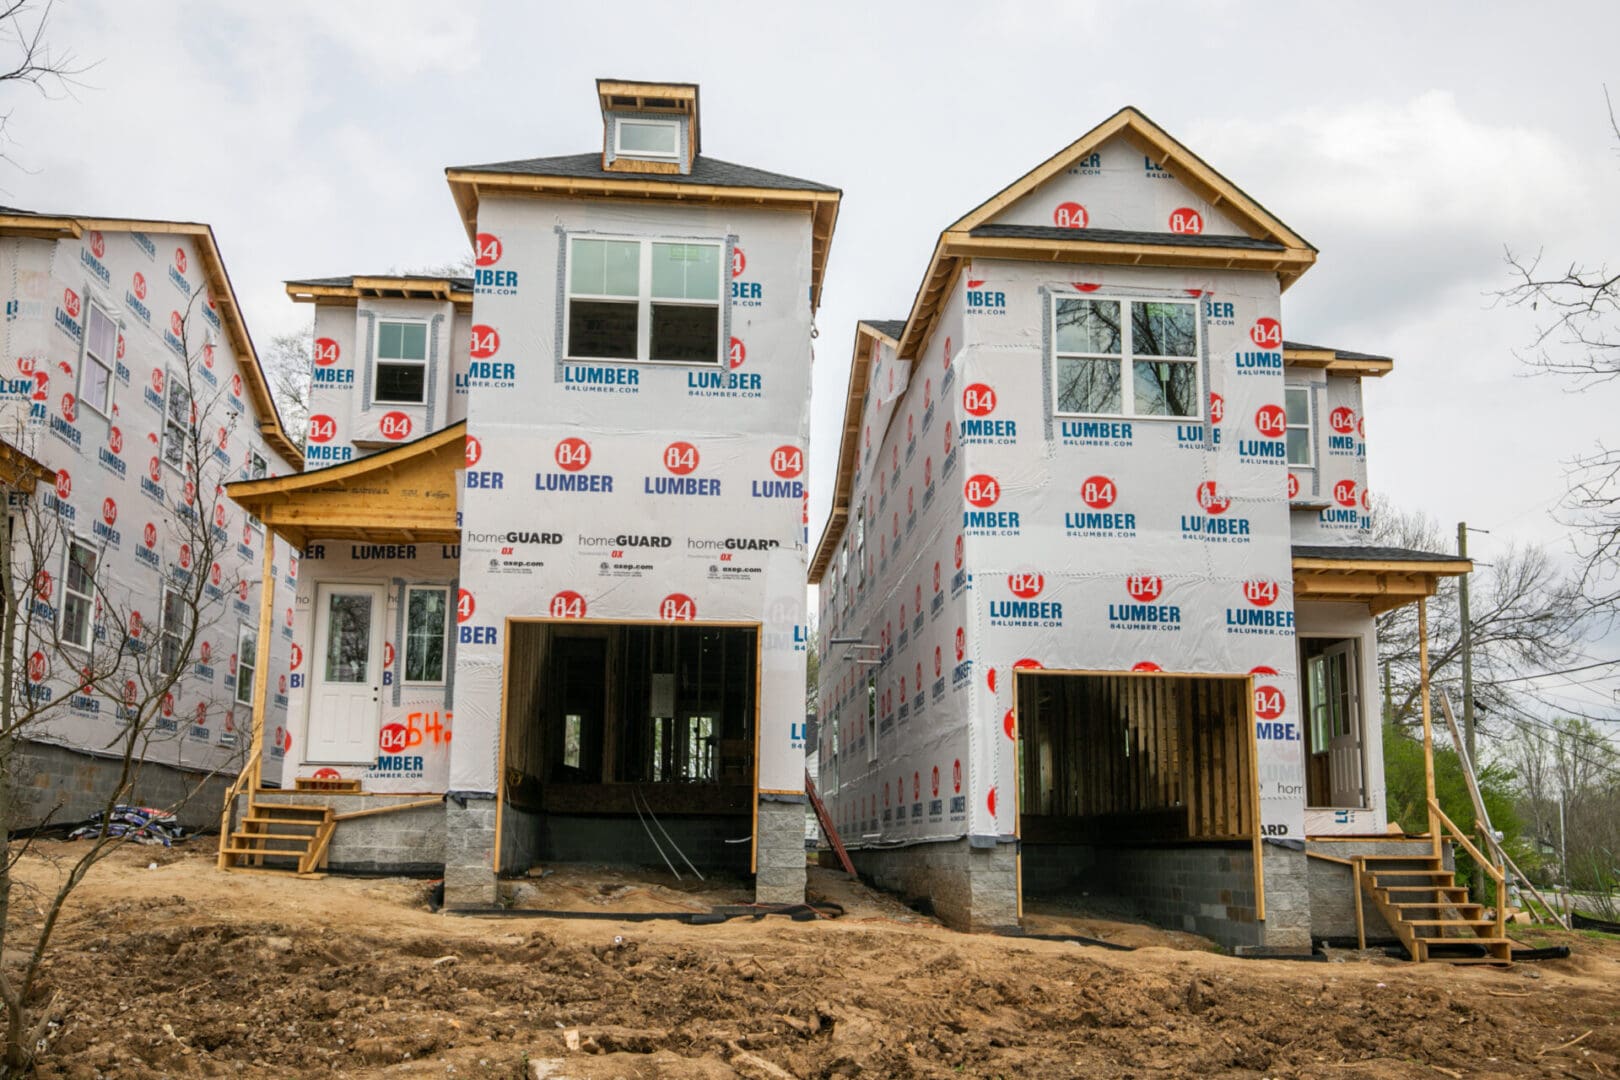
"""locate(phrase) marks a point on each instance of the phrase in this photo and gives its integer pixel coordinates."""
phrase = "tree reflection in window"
(1160, 344)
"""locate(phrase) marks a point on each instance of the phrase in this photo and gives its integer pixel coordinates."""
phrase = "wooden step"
(290, 808)
(272, 853)
(290, 823)
(1425, 888)
(1376, 874)
(1451, 922)
(1438, 903)
(334, 787)
(284, 837)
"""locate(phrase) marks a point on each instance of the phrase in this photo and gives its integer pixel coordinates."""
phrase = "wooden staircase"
(1428, 911)
(281, 837)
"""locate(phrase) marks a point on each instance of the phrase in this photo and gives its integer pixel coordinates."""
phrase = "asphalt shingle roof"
(1342, 354)
(891, 327)
(1122, 236)
(1370, 553)
(705, 170)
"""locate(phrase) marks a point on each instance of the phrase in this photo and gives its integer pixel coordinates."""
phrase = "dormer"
(648, 127)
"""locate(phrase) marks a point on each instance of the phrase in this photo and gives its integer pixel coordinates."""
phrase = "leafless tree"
(57, 600)
(27, 58)
(1527, 617)
(1579, 339)
(287, 365)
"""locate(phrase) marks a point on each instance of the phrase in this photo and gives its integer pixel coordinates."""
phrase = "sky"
(1412, 144)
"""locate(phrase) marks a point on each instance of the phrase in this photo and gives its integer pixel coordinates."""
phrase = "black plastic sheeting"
(714, 916)
(1587, 922)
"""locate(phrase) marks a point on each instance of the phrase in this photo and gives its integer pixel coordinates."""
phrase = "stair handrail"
(249, 770)
(1479, 859)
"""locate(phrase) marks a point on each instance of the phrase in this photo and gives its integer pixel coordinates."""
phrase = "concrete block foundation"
(408, 842)
(469, 851)
(56, 785)
(780, 877)
(970, 888)
(1332, 885)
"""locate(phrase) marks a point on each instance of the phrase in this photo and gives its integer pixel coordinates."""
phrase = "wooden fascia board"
(933, 281)
(465, 187)
(334, 478)
(22, 470)
(1079, 250)
(848, 448)
(1329, 361)
(1447, 568)
(1309, 358)
(312, 517)
(40, 227)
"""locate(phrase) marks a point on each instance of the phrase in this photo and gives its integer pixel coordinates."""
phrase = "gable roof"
(404, 494)
(1268, 243)
(711, 181)
(15, 222)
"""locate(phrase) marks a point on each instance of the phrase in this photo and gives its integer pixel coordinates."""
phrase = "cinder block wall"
(1332, 886)
(410, 842)
(469, 852)
(61, 785)
(781, 874)
(971, 888)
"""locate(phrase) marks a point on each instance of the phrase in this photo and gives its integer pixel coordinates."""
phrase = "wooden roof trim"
(466, 186)
(40, 226)
(338, 476)
(222, 292)
(21, 470)
(849, 443)
(1440, 568)
(1147, 135)
(1329, 361)
(441, 289)
(1290, 263)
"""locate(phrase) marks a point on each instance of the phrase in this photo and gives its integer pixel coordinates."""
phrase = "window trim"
(164, 631)
(169, 382)
(620, 123)
(377, 361)
(1309, 426)
(1127, 358)
(444, 632)
(75, 540)
(91, 306)
(244, 630)
(644, 301)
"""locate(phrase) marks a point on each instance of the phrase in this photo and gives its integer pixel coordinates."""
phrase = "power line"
(1545, 674)
(1525, 721)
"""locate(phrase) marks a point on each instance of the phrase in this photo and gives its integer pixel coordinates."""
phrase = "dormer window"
(653, 140)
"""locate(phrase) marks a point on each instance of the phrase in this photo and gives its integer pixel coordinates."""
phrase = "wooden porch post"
(1428, 726)
(261, 660)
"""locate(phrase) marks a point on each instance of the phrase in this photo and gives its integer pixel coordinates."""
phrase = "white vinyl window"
(843, 572)
(1297, 402)
(860, 546)
(644, 300)
(78, 593)
(871, 718)
(1119, 357)
(172, 632)
(400, 364)
(425, 623)
(176, 419)
(100, 359)
(247, 659)
(658, 140)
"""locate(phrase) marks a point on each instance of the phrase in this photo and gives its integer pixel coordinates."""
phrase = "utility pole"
(1467, 648)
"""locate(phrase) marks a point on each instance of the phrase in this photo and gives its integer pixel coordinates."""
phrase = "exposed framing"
(506, 702)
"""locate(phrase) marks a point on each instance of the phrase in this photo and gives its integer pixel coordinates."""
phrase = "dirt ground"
(166, 967)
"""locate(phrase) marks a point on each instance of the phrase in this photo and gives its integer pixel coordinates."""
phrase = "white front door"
(1341, 699)
(345, 696)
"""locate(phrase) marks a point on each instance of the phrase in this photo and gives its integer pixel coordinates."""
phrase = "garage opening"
(630, 745)
(1138, 802)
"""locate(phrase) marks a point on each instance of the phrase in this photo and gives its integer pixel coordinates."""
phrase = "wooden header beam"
(1381, 585)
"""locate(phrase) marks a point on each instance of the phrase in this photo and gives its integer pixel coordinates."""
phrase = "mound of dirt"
(185, 971)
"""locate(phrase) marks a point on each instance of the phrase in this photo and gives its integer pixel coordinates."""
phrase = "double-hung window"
(172, 634)
(100, 357)
(1297, 403)
(176, 419)
(401, 363)
(79, 594)
(1119, 357)
(649, 300)
(655, 140)
(247, 659)
(425, 622)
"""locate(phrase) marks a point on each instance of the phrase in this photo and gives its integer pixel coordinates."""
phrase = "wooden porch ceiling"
(1380, 584)
(403, 495)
